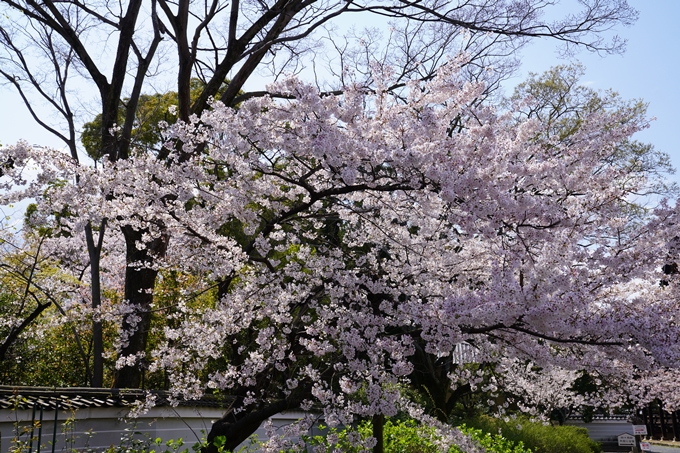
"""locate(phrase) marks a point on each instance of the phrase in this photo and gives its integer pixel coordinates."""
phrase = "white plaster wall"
(107, 427)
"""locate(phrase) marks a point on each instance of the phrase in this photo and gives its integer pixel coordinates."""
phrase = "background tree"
(153, 112)
(561, 101)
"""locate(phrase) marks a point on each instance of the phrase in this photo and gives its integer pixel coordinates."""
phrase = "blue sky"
(650, 70)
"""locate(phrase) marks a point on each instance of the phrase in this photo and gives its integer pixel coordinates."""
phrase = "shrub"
(405, 437)
(538, 437)
(493, 443)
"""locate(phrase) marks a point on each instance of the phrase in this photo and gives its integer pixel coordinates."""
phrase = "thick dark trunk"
(110, 93)
(431, 378)
(186, 61)
(94, 250)
(140, 279)
(238, 427)
(378, 425)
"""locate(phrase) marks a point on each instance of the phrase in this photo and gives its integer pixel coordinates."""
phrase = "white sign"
(645, 446)
(640, 430)
(626, 440)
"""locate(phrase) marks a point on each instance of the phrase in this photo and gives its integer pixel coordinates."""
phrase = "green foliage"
(134, 441)
(403, 436)
(54, 347)
(50, 350)
(538, 437)
(493, 443)
(48, 358)
(23, 437)
(47, 354)
(152, 111)
(146, 133)
(407, 437)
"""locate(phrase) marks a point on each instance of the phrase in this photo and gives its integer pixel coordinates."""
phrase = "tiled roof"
(18, 397)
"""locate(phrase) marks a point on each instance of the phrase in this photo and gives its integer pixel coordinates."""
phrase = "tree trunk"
(238, 427)
(378, 425)
(140, 279)
(95, 250)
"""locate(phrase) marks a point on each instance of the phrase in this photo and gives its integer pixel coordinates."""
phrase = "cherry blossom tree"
(341, 234)
(53, 51)
(560, 102)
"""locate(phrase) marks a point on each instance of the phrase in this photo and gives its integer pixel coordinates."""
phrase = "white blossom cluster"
(353, 230)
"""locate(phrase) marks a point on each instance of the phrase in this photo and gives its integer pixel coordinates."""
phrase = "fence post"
(54, 430)
(40, 428)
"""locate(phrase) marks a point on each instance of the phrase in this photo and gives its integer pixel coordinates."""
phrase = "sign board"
(645, 446)
(640, 430)
(626, 440)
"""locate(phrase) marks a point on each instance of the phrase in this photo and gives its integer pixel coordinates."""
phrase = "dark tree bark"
(95, 251)
(238, 427)
(140, 278)
(378, 427)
